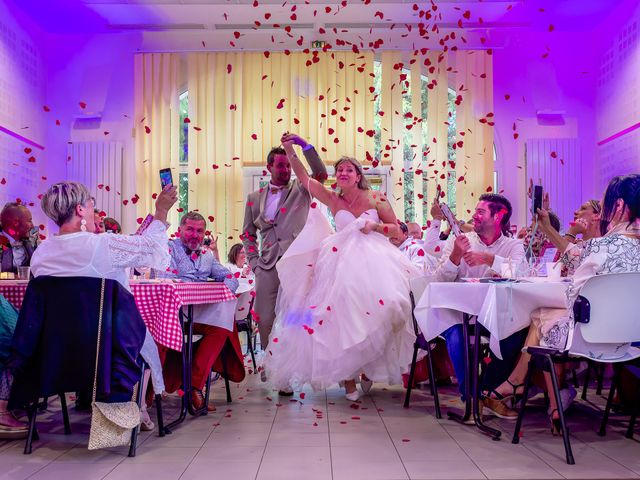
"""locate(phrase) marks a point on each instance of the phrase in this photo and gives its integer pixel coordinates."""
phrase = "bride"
(343, 309)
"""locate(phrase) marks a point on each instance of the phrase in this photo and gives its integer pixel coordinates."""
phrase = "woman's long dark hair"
(627, 188)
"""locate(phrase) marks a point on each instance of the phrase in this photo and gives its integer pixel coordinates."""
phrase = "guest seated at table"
(415, 232)
(10, 427)
(482, 253)
(98, 219)
(535, 239)
(111, 225)
(77, 252)
(17, 244)
(413, 250)
(192, 262)
(239, 268)
(585, 226)
(616, 251)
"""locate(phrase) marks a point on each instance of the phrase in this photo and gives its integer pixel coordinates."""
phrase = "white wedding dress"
(343, 306)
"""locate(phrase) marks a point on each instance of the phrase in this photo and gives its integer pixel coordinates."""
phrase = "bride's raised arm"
(316, 188)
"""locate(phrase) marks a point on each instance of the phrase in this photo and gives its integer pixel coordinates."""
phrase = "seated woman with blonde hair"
(77, 252)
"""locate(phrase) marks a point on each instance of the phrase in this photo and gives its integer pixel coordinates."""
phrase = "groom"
(278, 212)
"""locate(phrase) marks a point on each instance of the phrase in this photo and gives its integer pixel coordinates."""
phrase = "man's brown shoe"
(197, 400)
(498, 408)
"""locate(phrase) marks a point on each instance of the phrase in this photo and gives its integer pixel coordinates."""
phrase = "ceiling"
(260, 24)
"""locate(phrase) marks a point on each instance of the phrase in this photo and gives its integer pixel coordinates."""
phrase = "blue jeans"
(455, 345)
(496, 371)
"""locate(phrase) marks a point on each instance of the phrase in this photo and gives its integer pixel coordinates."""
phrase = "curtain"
(474, 119)
(325, 98)
(415, 121)
(155, 126)
(215, 143)
(240, 104)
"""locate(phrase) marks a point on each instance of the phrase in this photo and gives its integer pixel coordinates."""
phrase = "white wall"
(22, 97)
(563, 81)
(96, 70)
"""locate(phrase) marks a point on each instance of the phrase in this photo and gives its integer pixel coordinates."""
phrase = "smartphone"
(165, 177)
(207, 241)
(536, 199)
(451, 219)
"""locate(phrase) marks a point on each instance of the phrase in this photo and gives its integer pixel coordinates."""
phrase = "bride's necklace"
(356, 196)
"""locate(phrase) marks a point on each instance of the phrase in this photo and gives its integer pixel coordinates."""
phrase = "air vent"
(158, 26)
(428, 25)
(251, 26)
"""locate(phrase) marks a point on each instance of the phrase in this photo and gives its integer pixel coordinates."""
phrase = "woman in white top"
(76, 251)
(240, 269)
(616, 251)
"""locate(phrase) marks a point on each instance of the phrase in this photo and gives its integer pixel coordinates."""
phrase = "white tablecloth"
(502, 308)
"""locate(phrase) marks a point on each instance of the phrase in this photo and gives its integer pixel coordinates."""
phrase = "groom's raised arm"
(318, 170)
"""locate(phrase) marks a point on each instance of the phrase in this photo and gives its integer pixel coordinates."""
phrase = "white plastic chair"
(606, 323)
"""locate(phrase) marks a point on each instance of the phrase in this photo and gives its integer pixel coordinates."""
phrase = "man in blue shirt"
(192, 261)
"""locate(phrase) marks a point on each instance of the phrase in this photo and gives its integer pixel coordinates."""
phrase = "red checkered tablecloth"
(13, 291)
(159, 305)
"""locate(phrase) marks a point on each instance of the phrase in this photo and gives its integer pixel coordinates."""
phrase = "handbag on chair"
(111, 423)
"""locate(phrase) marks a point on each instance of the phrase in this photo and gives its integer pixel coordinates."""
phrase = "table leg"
(477, 417)
(187, 378)
(467, 374)
(184, 401)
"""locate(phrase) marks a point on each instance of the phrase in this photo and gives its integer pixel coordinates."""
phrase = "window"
(183, 158)
(409, 177)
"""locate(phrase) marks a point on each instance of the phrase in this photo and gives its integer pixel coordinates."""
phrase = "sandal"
(16, 426)
(556, 426)
(514, 398)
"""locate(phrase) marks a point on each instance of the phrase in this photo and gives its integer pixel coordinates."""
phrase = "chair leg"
(139, 395)
(161, 432)
(32, 411)
(432, 383)
(527, 385)
(587, 377)
(634, 415)
(226, 378)
(65, 414)
(563, 424)
(574, 374)
(600, 378)
(253, 355)
(605, 418)
(412, 372)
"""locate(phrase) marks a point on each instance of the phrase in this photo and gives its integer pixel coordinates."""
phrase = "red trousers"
(217, 344)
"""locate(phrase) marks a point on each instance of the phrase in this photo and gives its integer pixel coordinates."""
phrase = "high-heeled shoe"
(365, 384)
(353, 396)
(556, 426)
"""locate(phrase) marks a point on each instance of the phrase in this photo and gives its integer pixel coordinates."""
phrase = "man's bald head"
(415, 230)
(16, 220)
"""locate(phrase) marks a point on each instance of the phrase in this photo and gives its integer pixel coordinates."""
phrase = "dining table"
(502, 306)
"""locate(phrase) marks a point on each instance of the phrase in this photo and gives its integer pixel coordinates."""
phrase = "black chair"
(54, 345)
(417, 288)
(605, 317)
(244, 323)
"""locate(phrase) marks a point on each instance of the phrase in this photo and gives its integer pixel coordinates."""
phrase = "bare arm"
(316, 189)
(388, 225)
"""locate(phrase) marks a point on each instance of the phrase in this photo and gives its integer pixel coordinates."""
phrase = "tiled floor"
(323, 436)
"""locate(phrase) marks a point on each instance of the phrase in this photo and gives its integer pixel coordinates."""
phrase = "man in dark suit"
(278, 212)
(16, 244)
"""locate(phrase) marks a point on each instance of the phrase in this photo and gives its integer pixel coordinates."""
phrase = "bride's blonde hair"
(363, 183)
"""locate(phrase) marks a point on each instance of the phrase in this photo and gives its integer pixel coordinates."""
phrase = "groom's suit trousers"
(267, 284)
